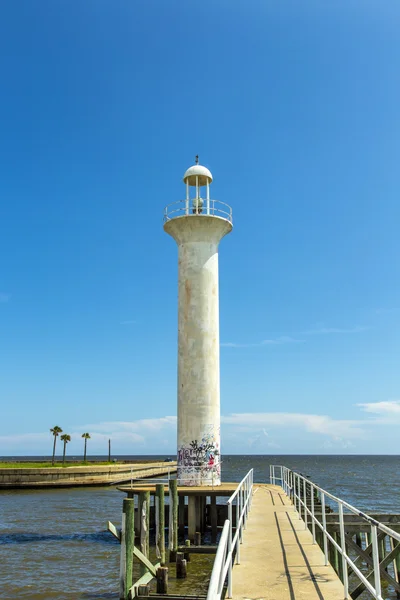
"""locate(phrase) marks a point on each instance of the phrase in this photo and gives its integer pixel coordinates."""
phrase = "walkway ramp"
(278, 560)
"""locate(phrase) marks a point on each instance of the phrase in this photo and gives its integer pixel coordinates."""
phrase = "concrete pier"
(90, 475)
(278, 560)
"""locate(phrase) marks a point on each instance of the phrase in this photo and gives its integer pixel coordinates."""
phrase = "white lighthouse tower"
(198, 224)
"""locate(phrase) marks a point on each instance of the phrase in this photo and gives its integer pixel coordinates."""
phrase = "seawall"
(81, 476)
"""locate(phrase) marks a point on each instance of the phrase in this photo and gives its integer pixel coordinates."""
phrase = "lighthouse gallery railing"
(296, 485)
(198, 206)
(228, 542)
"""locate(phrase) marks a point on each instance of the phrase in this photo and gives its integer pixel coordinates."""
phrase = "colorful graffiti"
(199, 461)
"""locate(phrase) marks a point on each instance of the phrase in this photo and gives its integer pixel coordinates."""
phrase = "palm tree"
(55, 431)
(65, 438)
(86, 436)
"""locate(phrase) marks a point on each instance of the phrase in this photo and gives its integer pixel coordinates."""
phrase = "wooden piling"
(143, 590)
(162, 580)
(187, 554)
(197, 538)
(160, 523)
(144, 527)
(173, 519)
(181, 517)
(181, 570)
(127, 545)
(191, 517)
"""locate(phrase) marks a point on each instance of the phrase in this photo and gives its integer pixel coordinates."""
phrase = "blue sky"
(295, 109)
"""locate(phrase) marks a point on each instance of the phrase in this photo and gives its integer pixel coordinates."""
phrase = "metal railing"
(228, 542)
(198, 206)
(296, 487)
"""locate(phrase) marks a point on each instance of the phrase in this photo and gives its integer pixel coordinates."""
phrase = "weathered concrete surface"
(85, 475)
(278, 559)
(198, 237)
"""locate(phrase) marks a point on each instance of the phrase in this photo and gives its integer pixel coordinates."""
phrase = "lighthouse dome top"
(197, 175)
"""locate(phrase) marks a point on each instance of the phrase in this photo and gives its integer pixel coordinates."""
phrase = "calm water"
(53, 543)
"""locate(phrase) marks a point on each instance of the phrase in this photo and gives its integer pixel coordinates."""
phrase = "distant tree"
(65, 438)
(86, 437)
(55, 431)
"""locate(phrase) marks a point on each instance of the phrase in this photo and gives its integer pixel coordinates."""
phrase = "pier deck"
(278, 560)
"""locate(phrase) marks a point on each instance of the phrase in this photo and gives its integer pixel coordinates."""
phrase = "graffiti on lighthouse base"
(199, 461)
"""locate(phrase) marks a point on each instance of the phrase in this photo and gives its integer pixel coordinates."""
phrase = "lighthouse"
(197, 224)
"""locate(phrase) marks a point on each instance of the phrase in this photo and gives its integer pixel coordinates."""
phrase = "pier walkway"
(278, 560)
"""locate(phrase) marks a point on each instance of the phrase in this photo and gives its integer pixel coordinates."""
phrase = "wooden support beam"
(197, 549)
(177, 597)
(112, 529)
(144, 561)
(382, 566)
(160, 522)
(144, 579)
(144, 527)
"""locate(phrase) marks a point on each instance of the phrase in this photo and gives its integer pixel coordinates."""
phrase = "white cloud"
(4, 297)
(141, 425)
(259, 432)
(388, 407)
(14, 442)
(287, 339)
(284, 339)
(320, 424)
(385, 412)
(327, 330)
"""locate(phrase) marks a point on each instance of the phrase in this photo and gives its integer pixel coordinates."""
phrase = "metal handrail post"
(312, 513)
(305, 502)
(230, 550)
(239, 497)
(299, 494)
(375, 558)
(324, 528)
(291, 486)
(243, 509)
(343, 546)
(238, 534)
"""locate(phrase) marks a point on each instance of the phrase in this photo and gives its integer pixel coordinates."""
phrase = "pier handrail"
(228, 542)
(295, 486)
(218, 574)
